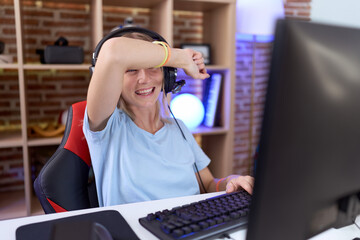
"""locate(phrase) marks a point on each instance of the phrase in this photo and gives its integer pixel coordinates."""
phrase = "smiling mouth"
(145, 92)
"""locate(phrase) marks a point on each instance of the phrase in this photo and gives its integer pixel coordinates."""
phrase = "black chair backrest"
(63, 184)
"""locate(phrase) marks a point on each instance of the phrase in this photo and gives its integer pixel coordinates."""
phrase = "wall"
(244, 148)
(51, 91)
(344, 13)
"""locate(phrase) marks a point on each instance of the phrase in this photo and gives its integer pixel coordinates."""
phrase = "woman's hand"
(236, 182)
(195, 67)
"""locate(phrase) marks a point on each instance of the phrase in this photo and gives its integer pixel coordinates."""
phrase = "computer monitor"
(307, 177)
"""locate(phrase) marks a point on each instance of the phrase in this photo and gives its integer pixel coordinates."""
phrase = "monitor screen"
(307, 177)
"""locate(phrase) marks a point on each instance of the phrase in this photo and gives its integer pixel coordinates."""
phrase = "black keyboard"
(211, 217)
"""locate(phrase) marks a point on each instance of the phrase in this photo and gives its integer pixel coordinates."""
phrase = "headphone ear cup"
(91, 69)
(169, 79)
(166, 80)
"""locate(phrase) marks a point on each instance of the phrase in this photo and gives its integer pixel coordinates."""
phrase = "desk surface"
(132, 212)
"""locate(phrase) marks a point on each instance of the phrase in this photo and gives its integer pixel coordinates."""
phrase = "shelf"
(71, 1)
(200, 5)
(36, 208)
(133, 3)
(209, 131)
(57, 66)
(13, 139)
(122, 3)
(12, 205)
(44, 141)
(217, 67)
(10, 139)
(210, 68)
(9, 66)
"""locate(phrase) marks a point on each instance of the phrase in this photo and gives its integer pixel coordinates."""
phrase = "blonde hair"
(161, 108)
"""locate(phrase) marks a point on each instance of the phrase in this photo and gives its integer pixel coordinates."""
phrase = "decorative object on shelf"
(10, 127)
(63, 117)
(128, 22)
(4, 58)
(189, 109)
(203, 48)
(61, 53)
(211, 97)
(2, 47)
(256, 18)
(46, 130)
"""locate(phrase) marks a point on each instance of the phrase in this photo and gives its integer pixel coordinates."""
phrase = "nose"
(142, 76)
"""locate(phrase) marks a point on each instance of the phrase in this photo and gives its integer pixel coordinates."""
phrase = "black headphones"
(170, 73)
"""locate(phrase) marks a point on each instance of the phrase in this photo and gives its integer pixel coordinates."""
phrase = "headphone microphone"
(170, 73)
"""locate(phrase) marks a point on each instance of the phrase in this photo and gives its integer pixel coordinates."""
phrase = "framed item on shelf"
(203, 48)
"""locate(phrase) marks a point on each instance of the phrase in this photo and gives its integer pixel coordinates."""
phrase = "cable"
(202, 184)
(197, 170)
(356, 224)
(177, 123)
(226, 235)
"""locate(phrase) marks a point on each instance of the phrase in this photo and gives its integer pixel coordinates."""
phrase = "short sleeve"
(98, 136)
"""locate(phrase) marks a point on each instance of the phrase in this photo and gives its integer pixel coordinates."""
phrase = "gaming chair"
(64, 183)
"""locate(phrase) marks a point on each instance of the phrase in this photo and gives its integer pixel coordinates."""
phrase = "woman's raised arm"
(120, 54)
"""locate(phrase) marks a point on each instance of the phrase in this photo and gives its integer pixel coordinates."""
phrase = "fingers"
(197, 55)
(199, 61)
(238, 182)
(197, 69)
(201, 66)
(203, 72)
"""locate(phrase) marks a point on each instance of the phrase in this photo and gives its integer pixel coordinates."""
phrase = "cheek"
(127, 88)
(128, 84)
(160, 79)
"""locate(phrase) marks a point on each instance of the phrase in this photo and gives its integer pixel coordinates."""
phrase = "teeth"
(145, 92)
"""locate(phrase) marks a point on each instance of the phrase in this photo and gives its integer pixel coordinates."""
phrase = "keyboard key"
(234, 215)
(151, 217)
(203, 225)
(178, 233)
(168, 228)
(187, 230)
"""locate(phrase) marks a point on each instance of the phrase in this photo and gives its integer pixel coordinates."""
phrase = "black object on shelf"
(61, 53)
(2, 47)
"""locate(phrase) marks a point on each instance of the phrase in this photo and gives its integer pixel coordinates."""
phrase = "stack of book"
(211, 99)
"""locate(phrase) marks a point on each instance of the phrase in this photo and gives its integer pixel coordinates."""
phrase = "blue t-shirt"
(133, 165)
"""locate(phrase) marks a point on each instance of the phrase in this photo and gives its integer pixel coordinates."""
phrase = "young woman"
(137, 153)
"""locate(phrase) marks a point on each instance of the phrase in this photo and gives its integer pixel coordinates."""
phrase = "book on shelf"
(211, 99)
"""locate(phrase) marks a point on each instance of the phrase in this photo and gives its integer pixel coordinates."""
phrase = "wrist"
(218, 187)
(178, 58)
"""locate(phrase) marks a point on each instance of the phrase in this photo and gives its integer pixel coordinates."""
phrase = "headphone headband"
(121, 32)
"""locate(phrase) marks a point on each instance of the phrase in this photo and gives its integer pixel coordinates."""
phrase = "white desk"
(132, 212)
